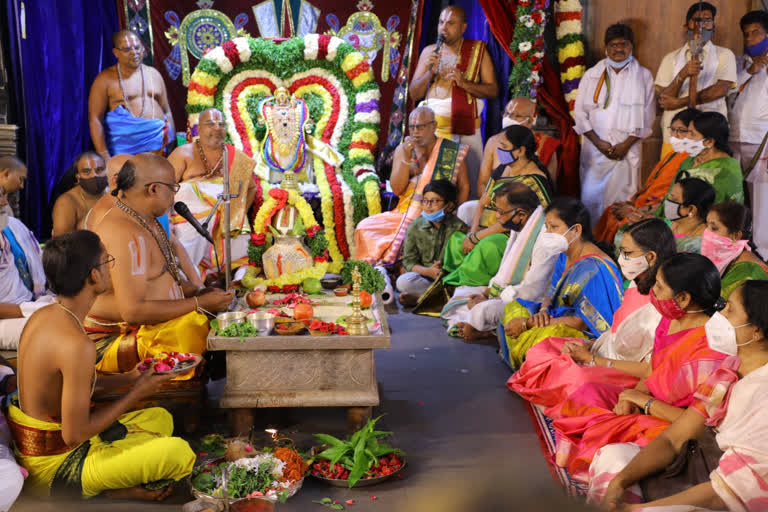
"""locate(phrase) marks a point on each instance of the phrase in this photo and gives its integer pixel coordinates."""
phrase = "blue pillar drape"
(54, 58)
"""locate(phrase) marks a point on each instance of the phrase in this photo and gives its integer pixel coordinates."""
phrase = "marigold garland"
(327, 209)
(570, 47)
(528, 48)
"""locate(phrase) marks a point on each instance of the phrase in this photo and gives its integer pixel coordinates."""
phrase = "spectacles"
(109, 261)
(173, 186)
(679, 131)
(502, 214)
(414, 127)
(706, 22)
(620, 45)
(138, 49)
(430, 202)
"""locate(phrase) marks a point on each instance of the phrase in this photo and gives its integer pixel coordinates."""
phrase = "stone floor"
(449, 408)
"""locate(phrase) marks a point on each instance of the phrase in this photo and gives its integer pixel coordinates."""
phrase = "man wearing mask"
(22, 280)
(749, 119)
(72, 207)
(714, 67)
(614, 110)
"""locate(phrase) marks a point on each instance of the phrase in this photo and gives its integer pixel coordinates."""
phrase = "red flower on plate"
(315, 325)
(258, 238)
(313, 230)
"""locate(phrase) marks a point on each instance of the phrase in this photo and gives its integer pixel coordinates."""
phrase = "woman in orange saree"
(686, 294)
(654, 189)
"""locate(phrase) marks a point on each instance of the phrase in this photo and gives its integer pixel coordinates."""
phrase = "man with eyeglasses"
(22, 280)
(420, 159)
(453, 77)
(72, 207)
(715, 68)
(199, 168)
(151, 307)
(614, 110)
(128, 109)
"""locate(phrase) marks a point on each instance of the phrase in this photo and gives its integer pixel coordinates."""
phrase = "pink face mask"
(668, 308)
(721, 250)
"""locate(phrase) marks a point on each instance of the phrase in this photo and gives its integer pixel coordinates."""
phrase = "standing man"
(128, 108)
(749, 120)
(72, 207)
(715, 68)
(453, 76)
(614, 110)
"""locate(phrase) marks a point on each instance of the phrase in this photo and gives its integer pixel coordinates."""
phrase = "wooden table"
(303, 370)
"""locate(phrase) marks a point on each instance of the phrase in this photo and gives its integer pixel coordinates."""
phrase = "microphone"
(183, 210)
(438, 46)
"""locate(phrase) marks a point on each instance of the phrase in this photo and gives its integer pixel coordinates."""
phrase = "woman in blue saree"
(585, 291)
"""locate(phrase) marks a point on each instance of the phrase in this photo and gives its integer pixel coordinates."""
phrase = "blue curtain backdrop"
(477, 28)
(54, 57)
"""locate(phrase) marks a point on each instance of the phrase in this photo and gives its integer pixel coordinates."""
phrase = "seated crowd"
(636, 336)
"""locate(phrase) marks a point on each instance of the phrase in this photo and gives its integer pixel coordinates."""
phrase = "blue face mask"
(434, 216)
(619, 64)
(505, 156)
(757, 49)
(512, 225)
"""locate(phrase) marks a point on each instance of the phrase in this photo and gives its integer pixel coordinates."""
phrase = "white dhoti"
(10, 328)
(757, 184)
(466, 212)
(605, 181)
(197, 247)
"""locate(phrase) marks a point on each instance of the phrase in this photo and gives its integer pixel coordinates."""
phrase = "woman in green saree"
(727, 241)
(474, 259)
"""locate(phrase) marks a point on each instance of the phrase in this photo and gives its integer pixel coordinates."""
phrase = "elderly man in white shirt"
(22, 280)
(715, 69)
(749, 119)
(614, 110)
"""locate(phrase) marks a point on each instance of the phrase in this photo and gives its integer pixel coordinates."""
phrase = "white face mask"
(694, 147)
(554, 242)
(678, 144)
(721, 335)
(672, 210)
(633, 267)
(564, 239)
(507, 122)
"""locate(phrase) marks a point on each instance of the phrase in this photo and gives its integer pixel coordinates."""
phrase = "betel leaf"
(360, 466)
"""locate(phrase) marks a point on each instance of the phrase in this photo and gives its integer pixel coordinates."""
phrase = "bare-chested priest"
(150, 308)
(67, 448)
(199, 172)
(454, 77)
(72, 207)
(128, 109)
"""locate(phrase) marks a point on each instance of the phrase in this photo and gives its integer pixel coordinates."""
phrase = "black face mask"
(93, 186)
(512, 225)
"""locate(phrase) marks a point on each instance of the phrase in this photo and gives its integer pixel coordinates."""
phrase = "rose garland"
(528, 48)
(570, 47)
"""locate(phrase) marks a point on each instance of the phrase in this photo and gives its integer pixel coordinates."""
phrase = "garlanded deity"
(286, 118)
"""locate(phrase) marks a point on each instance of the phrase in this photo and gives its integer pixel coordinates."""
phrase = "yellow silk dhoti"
(122, 346)
(146, 453)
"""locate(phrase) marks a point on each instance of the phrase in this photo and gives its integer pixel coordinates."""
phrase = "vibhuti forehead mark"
(138, 249)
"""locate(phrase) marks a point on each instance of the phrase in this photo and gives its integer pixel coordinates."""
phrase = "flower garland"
(319, 58)
(327, 208)
(528, 48)
(276, 200)
(570, 47)
(349, 211)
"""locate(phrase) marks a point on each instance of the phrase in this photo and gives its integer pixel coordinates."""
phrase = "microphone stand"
(226, 199)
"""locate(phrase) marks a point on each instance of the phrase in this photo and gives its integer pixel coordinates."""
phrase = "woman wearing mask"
(584, 293)
(686, 293)
(710, 158)
(556, 367)
(686, 210)
(646, 200)
(425, 241)
(727, 241)
(520, 164)
(740, 482)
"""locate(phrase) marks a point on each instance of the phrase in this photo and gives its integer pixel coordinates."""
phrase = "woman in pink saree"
(733, 400)
(556, 367)
(686, 294)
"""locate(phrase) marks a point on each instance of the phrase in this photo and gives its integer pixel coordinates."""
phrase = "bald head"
(458, 11)
(520, 111)
(211, 113)
(117, 37)
(421, 115)
(113, 167)
(13, 173)
(142, 169)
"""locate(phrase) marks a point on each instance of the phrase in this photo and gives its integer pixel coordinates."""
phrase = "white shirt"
(748, 115)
